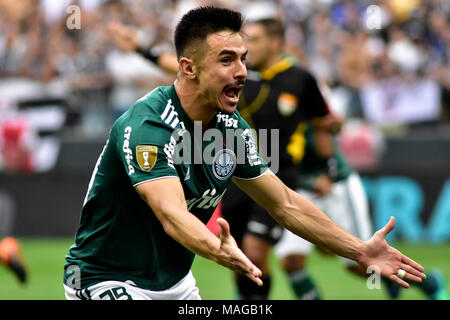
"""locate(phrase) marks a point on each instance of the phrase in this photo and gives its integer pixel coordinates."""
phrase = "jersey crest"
(223, 164)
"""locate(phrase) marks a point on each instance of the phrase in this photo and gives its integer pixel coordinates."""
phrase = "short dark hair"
(273, 27)
(200, 22)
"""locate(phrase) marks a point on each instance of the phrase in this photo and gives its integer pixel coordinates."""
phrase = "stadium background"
(384, 65)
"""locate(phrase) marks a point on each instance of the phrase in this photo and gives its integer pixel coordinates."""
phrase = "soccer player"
(280, 82)
(278, 95)
(144, 214)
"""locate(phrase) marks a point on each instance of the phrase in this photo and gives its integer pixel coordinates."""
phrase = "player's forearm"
(168, 62)
(128, 40)
(185, 228)
(306, 220)
(165, 60)
(166, 198)
(193, 234)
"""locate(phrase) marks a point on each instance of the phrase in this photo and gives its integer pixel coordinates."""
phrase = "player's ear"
(187, 67)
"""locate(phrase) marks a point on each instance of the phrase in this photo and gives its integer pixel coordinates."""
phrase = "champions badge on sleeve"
(146, 157)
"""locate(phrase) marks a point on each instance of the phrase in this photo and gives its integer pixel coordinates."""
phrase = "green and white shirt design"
(119, 237)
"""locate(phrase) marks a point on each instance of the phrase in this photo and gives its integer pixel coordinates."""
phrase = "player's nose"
(241, 70)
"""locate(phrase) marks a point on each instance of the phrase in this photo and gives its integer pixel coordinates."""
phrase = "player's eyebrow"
(231, 52)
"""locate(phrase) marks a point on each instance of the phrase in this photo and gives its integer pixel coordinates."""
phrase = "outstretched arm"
(297, 214)
(126, 39)
(166, 198)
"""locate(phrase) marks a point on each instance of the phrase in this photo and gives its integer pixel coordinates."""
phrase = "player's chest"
(205, 168)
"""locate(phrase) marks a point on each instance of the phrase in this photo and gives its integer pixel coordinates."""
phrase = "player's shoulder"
(153, 103)
(151, 106)
(146, 115)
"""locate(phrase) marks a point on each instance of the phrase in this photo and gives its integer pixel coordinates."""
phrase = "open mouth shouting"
(231, 93)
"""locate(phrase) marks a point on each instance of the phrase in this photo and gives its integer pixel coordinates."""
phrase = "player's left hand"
(233, 258)
(389, 260)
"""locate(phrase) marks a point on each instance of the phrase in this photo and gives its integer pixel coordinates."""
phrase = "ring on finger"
(401, 273)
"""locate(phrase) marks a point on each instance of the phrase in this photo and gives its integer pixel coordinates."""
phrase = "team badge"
(287, 104)
(146, 157)
(223, 164)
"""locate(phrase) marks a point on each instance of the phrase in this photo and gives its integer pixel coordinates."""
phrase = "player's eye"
(226, 60)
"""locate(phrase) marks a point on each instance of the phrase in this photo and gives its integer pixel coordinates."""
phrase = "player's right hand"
(233, 258)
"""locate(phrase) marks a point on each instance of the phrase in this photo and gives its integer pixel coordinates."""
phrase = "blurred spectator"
(401, 10)
(398, 100)
(17, 142)
(20, 35)
(402, 95)
(353, 67)
(321, 48)
(362, 143)
(403, 52)
(29, 135)
(361, 49)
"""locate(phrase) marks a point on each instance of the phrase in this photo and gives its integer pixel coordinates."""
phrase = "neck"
(271, 61)
(193, 103)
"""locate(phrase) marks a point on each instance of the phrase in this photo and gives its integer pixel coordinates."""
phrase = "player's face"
(258, 44)
(222, 70)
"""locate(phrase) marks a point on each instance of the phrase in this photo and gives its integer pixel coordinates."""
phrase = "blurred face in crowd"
(220, 70)
(261, 47)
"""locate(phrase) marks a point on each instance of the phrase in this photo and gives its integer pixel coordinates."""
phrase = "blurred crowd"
(386, 62)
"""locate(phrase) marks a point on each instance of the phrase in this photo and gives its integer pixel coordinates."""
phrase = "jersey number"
(115, 294)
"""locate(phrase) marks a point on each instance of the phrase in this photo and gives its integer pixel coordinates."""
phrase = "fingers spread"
(413, 278)
(224, 228)
(413, 272)
(249, 269)
(255, 275)
(413, 264)
(399, 281)
(243, 264)
(255, 279)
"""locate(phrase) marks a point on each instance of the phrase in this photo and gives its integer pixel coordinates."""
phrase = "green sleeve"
(146, 149)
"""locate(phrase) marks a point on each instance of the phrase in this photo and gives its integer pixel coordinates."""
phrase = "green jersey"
(119, 237)
(312, 165)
